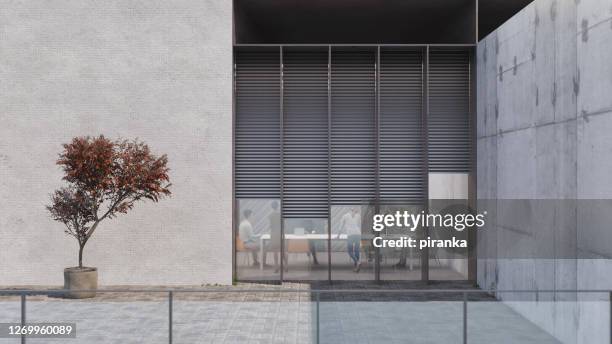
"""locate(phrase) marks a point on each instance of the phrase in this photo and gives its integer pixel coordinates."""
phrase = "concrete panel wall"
(594, 165)
(544, 123)
(155, 70)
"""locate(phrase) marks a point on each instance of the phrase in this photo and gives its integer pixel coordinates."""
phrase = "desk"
(324, 237)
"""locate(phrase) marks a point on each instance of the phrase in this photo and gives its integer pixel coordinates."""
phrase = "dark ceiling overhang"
(493, 13)
(368, 21)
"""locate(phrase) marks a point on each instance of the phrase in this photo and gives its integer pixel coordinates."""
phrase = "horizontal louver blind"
(401, 147)
(353, 131)
(449, 120)
(305, 157)
(257, 132)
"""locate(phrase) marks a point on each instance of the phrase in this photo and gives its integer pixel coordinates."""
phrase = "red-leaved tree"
(105, 178)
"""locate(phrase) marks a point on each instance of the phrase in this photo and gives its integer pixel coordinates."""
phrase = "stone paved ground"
(276, 317)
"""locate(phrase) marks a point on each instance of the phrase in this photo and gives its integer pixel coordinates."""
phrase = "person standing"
(351, 225)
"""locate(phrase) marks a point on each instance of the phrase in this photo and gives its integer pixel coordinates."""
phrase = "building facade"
(300, 116)
(294, 123)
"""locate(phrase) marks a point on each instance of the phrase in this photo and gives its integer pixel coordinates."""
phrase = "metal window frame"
(472, 178)
(472, 266)
(282, 167)
(425, 135)
(329, 161)
(234, 200)
(377, 163)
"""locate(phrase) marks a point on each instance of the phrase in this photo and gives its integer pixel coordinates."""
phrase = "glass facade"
(258, 239)
(327, 137)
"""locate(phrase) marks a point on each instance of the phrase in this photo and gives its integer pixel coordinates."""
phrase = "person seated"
(248, 236)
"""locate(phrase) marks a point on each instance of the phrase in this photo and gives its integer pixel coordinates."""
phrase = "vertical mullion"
(329, 229)
(476, 21)
(425, 135)
(472, 180)
(282, 158)
(234, 201)
(170, 315)
(23, 316)
(377, 143)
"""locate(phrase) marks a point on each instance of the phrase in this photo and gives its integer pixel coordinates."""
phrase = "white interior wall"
(450, 186)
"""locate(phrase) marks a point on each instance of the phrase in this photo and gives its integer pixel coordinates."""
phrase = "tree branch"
(98, 220)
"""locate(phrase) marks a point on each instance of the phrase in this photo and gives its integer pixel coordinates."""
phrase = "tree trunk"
(81, 255)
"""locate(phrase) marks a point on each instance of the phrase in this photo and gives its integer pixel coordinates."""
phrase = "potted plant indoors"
(105, 178)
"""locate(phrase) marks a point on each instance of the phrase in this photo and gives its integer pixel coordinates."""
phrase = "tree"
(105, 178)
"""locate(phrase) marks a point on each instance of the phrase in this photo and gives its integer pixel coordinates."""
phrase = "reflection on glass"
(306, 248)
(258, 235)
(448, 263)
(309, 245)
(400, 263)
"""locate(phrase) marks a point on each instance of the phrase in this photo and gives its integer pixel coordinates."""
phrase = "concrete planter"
(78, 279)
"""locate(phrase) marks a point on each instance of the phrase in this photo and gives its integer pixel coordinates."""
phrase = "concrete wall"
(160, 71)
(544, 124)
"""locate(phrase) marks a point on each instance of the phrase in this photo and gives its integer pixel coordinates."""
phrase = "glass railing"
(308, 316)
